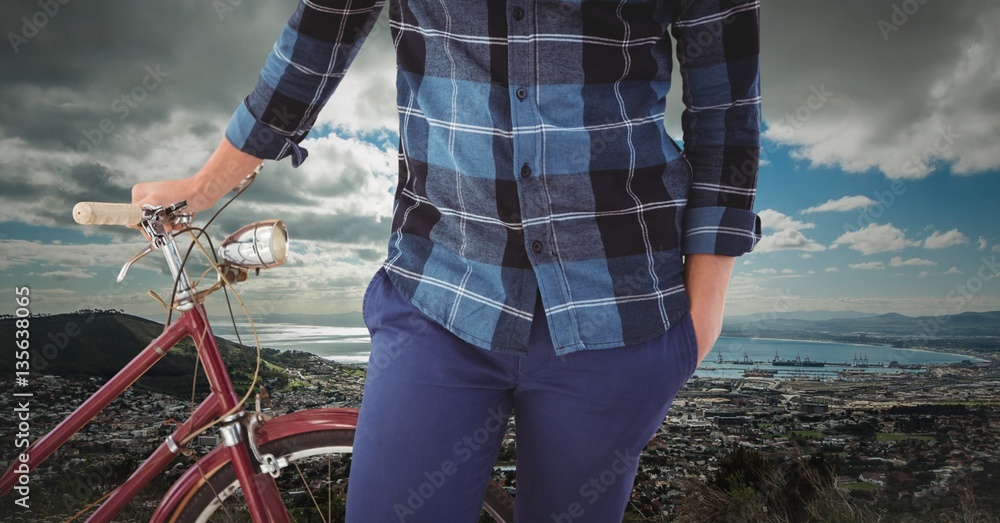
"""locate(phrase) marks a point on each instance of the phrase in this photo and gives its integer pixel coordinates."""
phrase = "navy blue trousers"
(435, 412)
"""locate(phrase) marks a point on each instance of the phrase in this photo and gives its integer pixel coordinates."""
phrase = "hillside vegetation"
(100, 343)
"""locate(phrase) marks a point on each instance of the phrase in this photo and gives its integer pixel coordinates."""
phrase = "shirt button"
(536, 246)
(518, 14)
(521, 93)
(525, 171)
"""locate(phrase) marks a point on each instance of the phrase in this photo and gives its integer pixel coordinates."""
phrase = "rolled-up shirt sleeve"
(718, 54)
(308, 61)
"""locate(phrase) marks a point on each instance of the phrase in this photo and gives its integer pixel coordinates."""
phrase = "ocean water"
(351, 345)
(342, 344)
(735, 352)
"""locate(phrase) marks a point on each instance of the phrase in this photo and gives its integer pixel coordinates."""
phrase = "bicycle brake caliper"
(268, 463)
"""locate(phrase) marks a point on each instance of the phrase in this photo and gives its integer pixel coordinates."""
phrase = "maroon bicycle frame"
(260, 491)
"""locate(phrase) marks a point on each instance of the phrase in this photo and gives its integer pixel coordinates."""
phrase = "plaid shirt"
(533, 157)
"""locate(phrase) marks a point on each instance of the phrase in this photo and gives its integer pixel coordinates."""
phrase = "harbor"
(860, 361)
(801, 360)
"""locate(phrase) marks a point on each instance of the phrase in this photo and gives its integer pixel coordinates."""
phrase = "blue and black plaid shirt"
(533, 156)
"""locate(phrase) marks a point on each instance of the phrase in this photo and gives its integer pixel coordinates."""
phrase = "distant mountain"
(968, 324)
(345, 319)
(799, 315)
(773, 324)
(101, 344)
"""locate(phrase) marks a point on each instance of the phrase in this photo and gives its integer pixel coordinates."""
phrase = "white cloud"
(353, 176)
(831, 269)
(953, 270)
(996, 248)
(875, 238)
(867, 265)
(789, 239)
(941, 240)
(810, 272)
(767, 270)
(981, 243)
(889, 114)
(805, 256)
(67, 257)
(846, 203)
(366, 99)
(772, 219)
(898, 261)
(787, 235)
(787, 271)
(923, 274)
(74, 273)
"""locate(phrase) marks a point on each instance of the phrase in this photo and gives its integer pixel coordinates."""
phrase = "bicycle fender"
(276, 428)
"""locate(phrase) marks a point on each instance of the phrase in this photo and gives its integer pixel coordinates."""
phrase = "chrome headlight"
(257, 245)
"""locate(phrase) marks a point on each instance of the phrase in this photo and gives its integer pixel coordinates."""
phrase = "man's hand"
(224, 170)
(706, 278)
(167, 192)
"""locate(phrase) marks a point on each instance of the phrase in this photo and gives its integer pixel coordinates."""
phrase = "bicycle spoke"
(215, 493)
(309, 491)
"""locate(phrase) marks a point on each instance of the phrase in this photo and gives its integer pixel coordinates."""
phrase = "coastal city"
(907, 443)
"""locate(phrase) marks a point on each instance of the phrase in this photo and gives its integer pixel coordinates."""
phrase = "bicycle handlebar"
(97, 213)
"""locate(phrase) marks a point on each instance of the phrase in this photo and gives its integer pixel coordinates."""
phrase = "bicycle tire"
(200, 505)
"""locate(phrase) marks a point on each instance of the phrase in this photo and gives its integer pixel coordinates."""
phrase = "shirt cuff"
(726, 231)
(255, 138)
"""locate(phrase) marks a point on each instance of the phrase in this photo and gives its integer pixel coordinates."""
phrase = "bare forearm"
(224, 170)
(706, 278)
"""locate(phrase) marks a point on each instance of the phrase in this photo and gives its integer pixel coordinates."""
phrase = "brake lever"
(146, 250)
(153, 218)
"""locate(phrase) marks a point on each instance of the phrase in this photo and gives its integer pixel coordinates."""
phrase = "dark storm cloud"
(96, 183)
(106, 94)
(130, 62)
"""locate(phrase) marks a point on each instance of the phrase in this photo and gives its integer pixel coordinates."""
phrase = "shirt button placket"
(524, 117)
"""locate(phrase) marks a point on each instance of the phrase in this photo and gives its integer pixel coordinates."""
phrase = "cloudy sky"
(877, 193)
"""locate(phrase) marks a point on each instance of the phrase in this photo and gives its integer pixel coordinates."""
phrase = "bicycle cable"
(212, 259)
(256, 374)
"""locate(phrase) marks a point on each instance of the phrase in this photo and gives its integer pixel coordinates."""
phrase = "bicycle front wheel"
(313, 486)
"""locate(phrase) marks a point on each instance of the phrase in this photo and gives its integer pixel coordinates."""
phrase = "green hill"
(102, 343)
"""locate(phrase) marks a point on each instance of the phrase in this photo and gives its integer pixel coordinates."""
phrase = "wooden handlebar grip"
(95, 213)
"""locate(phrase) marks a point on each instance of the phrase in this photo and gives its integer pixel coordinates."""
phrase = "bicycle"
(252, 467)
